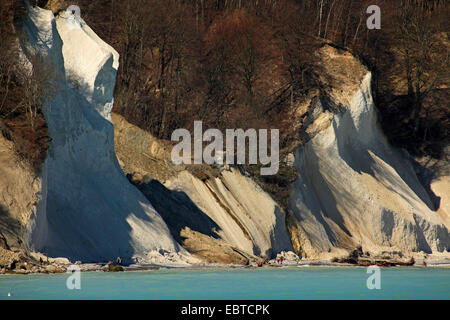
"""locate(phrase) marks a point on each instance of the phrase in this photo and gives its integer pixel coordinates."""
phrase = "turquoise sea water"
(266, 283)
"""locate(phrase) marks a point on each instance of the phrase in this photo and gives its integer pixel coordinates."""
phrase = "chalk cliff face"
(354, 189)
(89, 211)
(222, 217)
(246, 216)
(20, 192)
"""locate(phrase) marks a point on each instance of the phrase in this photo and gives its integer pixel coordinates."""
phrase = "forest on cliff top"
(244, 64)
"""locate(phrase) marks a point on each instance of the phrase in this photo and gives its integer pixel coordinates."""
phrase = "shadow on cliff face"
(79, 209)
(426, 173)
(432, 134)
(10, 229)
(177, 210)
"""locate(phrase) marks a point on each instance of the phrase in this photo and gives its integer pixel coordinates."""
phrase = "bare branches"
(424, 53)
(23, 90)
(238, 63)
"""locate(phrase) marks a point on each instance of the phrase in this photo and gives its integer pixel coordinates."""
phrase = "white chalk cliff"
(89, 211)
(229, 206)
(354, 189)
(246, 216)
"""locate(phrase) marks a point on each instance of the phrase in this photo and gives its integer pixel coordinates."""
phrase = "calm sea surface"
(266, 283)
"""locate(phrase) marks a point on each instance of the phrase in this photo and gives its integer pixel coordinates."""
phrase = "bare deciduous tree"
(424, 53)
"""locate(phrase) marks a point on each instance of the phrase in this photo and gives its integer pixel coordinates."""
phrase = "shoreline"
(36, 263)
(55, 268)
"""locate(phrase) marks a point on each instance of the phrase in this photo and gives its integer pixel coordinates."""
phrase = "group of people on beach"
(281, 259)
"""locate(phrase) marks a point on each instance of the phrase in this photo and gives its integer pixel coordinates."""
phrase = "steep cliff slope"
(353, 188)
(89, 211)
(20, 193)
(211, 215)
